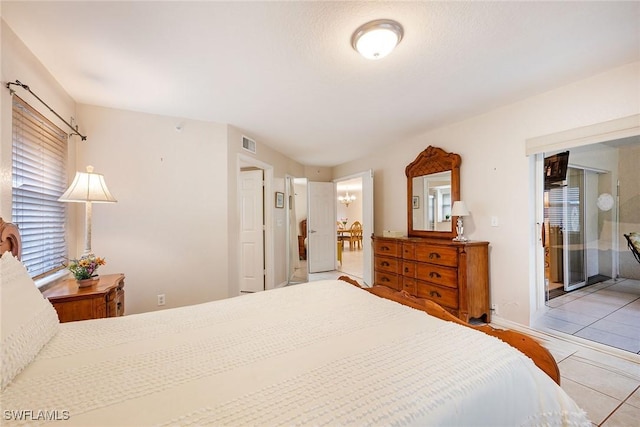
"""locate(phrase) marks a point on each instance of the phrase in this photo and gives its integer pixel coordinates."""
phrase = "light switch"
(494, 221)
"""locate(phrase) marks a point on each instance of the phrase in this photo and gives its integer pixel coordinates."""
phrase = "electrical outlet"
(161, 300)
(494, 308)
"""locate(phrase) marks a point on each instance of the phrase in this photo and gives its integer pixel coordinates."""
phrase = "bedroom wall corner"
(19, 63)
(167, 233)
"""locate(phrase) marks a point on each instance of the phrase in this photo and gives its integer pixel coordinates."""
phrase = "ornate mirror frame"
(433, 160)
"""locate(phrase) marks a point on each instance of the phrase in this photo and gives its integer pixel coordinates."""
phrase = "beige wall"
(497, 177)
(168, 231)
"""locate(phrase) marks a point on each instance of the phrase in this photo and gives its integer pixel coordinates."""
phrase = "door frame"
(367, 219)
(535, 148)
(246, 161)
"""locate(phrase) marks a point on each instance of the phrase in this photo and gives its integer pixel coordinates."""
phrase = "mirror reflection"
(297, 247)
(433, 184)
(431, 201)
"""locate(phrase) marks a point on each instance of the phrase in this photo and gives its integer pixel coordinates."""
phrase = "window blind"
(39, 176)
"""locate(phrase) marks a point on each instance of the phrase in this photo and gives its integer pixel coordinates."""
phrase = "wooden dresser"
(104, 299)
(453, 274)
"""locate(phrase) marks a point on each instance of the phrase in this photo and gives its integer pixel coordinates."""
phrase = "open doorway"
(349, 225)
(591, 284)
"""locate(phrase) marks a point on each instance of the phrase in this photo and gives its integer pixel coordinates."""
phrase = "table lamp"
(459, 210)
(88, 187)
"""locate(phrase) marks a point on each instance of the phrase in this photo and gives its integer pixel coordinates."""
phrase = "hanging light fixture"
(376, 39)
(347, 198)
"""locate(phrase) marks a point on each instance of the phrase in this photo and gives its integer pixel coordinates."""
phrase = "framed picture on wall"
(279, 199)
(416, 202)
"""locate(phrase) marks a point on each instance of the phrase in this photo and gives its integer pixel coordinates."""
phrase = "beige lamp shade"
(459, 209)
(88, 187)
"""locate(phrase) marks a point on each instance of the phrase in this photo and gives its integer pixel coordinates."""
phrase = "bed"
(320, 353)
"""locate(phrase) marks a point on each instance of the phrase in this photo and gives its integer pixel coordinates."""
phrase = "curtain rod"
(25, 87)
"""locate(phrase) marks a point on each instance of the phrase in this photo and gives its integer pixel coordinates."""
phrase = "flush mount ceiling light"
(376, 39)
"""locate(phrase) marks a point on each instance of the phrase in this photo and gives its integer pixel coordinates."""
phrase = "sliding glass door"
(574, 254)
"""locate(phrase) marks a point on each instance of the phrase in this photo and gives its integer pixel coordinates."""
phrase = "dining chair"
(355, 235)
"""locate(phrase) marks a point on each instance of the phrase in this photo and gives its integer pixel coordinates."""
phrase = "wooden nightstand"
(104, 299)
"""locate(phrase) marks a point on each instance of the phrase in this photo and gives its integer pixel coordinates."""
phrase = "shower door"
(574, 254)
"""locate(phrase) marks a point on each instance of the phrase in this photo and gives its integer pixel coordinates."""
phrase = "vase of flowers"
(84, 269)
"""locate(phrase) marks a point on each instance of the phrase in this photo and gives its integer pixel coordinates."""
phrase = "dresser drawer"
(389, 280)
(409, 251)
(387, 248)
(408, 269)
(444, 276)
(409, 285)
(437, 255)
(443, 296)
(383, 263)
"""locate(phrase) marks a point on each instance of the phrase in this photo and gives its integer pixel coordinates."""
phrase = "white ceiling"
(286, 75)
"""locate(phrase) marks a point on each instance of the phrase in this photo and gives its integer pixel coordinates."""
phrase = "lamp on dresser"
(459, 210)
(88, 187)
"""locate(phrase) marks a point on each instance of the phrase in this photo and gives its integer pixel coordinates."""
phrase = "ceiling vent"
(249, 144)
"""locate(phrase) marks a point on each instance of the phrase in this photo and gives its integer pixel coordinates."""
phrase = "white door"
(367, 225)
(321, 227)
(251, 231)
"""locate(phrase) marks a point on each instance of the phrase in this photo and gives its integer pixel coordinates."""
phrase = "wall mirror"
(433, 184)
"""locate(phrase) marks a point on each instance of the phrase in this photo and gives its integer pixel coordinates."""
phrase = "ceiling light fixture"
(376, 39)
(347, 198)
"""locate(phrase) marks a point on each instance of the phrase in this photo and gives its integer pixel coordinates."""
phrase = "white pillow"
(28, 319)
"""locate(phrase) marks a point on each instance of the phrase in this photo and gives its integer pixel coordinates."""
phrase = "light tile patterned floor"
(352, 266)
(607, 313)
(605, 384)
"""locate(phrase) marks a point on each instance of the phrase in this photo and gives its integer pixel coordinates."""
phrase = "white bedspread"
(322, 353)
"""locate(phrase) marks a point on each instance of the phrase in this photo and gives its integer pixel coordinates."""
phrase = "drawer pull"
(385, 248)
(384, 264)
(385, 279)
(434, 255)
(406, 269)
(435, 294)
(435, 274)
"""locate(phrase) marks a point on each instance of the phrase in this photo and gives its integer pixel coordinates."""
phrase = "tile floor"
(606, 384)
(352, 266)
(607, 313)
(352, 262)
